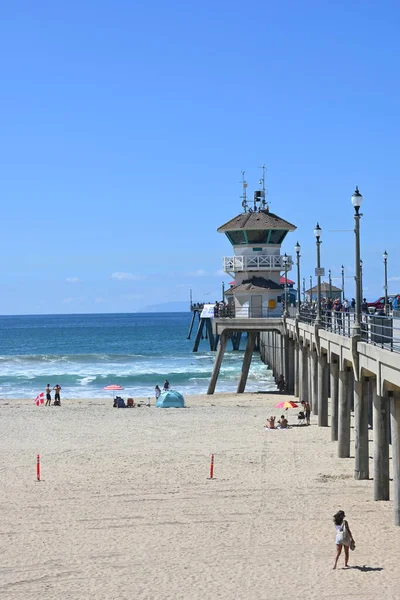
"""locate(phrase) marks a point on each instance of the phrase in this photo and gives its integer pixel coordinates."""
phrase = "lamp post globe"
(356, 199)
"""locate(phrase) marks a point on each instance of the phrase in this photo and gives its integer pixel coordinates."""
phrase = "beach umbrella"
(113, 388)
(286, 405)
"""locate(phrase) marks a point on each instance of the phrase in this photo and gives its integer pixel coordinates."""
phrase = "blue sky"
(125, 127)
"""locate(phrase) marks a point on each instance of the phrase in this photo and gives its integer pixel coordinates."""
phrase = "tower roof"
(263, 219)
(254, 284)
(324, 288)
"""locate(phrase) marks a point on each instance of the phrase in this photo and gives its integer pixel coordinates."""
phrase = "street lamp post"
(361, 280)
(385, 257)
(342, 283)
(317, 233)
(304, 289)
(330, 284)
(310, 288)
(285, 264)
(297, 248)
(356, 201)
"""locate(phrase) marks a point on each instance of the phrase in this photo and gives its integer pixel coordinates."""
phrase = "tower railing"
(258, 262)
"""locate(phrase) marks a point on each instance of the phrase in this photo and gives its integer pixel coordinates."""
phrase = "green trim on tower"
(245, 236)
(269, 236)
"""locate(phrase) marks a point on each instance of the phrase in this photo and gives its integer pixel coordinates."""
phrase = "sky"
(125, 127)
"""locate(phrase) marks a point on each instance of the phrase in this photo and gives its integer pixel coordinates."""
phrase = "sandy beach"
(125, 509)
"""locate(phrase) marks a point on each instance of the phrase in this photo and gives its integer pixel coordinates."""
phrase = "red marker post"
(38, 467)
(212, 467)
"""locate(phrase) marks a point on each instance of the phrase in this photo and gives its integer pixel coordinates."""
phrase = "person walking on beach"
(57, 399)
(281, 383)
(48, 395)
(344, 538)
(166, 385)
(307, 410)
(157, 392)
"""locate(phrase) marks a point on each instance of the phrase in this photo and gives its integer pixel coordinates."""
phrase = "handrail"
(376, 330)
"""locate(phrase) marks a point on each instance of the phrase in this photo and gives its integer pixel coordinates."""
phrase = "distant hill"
(178, 306)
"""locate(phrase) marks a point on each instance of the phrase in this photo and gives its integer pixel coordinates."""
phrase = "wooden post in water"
(251, 340)
(218, 361)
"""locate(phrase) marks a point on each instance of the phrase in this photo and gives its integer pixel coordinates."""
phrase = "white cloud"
(74, 300)
(121, 276)
(197, 273)
(394, 278)
(220, 273)
(73, 280)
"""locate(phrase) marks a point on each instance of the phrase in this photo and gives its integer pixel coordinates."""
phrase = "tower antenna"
(244, 196)
(262, 183)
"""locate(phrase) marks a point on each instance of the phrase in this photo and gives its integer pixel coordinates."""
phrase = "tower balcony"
(259, 262)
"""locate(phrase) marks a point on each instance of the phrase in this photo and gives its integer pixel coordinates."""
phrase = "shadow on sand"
(366, 569)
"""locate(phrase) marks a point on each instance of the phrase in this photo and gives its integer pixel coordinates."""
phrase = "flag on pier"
(39, 399)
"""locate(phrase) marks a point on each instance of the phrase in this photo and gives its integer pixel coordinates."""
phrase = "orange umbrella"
(287, 405)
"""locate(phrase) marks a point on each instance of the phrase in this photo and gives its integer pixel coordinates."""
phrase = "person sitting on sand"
(283, 423)
(343, 537)
(270, 423)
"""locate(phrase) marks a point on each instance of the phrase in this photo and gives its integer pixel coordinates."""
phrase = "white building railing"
(259, 262)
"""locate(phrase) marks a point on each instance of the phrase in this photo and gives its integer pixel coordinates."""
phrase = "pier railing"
(246, 312)
(376, 330)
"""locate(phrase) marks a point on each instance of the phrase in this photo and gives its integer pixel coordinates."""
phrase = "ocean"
(84, 353)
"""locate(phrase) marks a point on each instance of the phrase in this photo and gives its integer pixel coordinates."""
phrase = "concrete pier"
(313, 400)
(301, 369)
(304, 377)
(296, 368)
(334, 375)
(344, 414)
(322, 391)
(361, 466)
(381, 444)
(395, 430)
(348, 371)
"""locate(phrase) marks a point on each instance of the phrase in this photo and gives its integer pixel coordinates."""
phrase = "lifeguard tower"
(256, 236)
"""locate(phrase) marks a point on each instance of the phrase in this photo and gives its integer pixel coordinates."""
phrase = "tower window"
(236, 237)
(257, 237)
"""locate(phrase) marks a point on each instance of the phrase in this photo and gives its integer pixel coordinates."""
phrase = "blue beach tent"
(170, 399)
